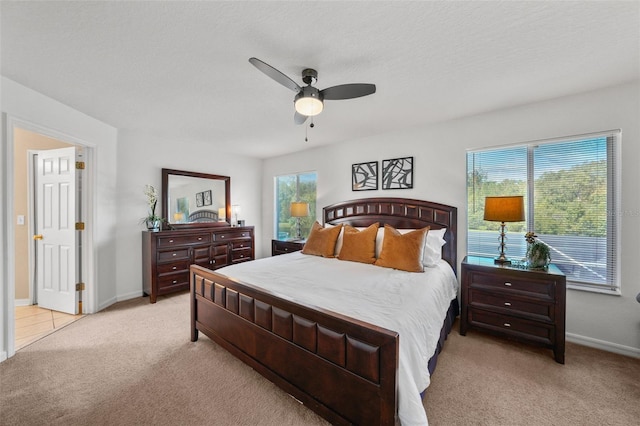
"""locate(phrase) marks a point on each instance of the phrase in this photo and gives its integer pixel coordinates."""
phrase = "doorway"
(36, 323)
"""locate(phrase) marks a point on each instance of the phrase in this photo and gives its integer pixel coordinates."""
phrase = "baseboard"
(127, 296)
(603, 345)
(106, 304)
(22, 302)
(3, 356)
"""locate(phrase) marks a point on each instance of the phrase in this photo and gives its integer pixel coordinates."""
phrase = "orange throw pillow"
(322, 241)
(359, 246)
(403, 251)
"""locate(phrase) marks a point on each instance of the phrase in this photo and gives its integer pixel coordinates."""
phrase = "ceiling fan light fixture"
(309, 106)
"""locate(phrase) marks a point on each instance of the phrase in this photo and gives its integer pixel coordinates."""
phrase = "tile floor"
(33, 323)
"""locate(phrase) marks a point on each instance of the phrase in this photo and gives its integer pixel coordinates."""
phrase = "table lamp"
(299, 209)
(504, 209)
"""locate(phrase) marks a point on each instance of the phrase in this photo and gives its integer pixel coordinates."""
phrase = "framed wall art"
(397, 173)
(200, 199)
(364, 176)
(207, 198)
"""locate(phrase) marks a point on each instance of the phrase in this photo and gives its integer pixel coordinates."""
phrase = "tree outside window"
(290, 188)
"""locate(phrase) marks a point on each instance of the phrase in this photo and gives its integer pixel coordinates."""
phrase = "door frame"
(88, 200)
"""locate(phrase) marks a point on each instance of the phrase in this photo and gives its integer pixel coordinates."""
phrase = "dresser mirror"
(195, 200)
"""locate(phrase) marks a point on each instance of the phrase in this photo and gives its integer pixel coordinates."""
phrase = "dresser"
(284, 246)
(167, 255)
(520, 304)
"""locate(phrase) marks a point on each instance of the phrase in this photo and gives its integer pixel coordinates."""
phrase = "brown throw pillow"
(403, 251)
(322, 241)
(359, 246)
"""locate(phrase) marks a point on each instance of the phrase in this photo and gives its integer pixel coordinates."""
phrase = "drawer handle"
(174, 254)
(222, 237)
(212, 262)
(244, 235)
(507, 304)
(170, 241)
(175, 281)
(242, 255)
(506, 324)
(241, 245)
(199, 238)
(286, 249)
(507, 284)
(174, 268)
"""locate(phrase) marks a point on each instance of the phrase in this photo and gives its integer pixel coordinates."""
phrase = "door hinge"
(79, 165)
(80, 287)
(79, 226)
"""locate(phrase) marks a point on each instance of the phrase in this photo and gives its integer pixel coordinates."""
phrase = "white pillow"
(433, 244)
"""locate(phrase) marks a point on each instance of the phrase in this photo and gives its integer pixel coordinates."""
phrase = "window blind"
(571, 194)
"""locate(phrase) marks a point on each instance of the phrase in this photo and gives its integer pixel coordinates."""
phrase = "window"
(296, 187)
(572, 194)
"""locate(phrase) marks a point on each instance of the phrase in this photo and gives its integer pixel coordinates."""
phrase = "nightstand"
(284, 246)
(520, 304)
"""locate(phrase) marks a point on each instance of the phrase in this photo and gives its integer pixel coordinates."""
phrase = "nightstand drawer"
(507, 303)
(529, 330)
(530, 286)
(284, 247)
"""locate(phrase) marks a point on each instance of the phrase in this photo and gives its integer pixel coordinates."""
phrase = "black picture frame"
(207, 198)
(364, 176)
(199, 199)
(397, 173)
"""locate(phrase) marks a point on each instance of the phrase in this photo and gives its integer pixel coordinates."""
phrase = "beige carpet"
(133, 364)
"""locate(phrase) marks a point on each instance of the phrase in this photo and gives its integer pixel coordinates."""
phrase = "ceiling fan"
(309, 101)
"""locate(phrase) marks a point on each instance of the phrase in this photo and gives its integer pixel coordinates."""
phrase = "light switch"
(20, 219)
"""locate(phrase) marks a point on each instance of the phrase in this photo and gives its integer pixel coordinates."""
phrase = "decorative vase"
(153, 224)
(538, 256)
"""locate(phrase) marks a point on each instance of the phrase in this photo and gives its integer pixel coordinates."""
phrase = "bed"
(347, 369)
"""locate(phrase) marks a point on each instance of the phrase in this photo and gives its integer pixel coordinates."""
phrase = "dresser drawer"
(530, 286)
(167, 268)
(241, 244)
(181, 240)
(173, 255)
(509, 325)
(231, 235)
(241, 255)
(512, 304)
(173, 280)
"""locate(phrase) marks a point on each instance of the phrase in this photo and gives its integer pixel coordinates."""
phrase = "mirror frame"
(165, 198)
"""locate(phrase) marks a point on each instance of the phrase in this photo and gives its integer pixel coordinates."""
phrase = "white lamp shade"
(309, 106)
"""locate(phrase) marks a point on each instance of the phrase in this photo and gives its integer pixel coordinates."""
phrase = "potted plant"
(151, 220)
(538, 253)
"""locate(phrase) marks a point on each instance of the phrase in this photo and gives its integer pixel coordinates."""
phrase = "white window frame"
(613, 202)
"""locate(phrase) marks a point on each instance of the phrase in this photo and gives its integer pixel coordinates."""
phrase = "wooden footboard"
(343, 369)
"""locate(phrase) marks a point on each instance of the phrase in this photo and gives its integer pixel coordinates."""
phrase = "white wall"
(141, 160)
(439, 152)
(24, 104)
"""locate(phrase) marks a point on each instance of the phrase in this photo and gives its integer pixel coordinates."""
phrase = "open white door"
(55, 232)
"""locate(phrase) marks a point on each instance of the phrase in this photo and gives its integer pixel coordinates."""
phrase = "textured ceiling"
(179, 71)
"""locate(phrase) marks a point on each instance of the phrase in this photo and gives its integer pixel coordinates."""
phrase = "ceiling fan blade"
(348, 91)
(299, 118)
(275, 74)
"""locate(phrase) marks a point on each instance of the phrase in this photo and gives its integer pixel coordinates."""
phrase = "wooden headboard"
(401, 213)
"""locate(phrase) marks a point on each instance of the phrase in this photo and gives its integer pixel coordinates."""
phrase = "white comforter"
(412, 304)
